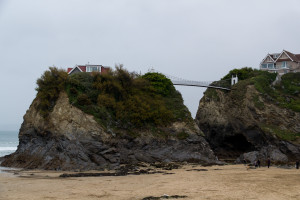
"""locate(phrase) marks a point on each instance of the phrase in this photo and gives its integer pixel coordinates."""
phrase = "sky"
(191, 39)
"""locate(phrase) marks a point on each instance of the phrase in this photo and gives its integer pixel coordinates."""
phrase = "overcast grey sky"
(192, 39)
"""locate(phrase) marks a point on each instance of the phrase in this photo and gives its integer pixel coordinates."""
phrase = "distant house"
(281, 63)
(88, 68)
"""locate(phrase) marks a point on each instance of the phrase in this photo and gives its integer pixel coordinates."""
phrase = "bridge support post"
(234, 80)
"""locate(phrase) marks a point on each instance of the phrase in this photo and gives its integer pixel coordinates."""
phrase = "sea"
(8, 142)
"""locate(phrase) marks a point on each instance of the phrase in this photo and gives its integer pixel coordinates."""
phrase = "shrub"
(291, 83)
(81, 81)
(243, 73)
(161, 84)
(73, 91)
(83, 100)
(48, 88)
(129, 100)
(107, 101)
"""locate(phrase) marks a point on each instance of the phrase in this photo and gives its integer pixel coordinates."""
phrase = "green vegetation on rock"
(51, 83)
(285, 93)
(182, 135)
(117, 99)
(288, 94)
(282, 134)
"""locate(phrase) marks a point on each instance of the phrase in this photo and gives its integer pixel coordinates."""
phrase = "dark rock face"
(234, 130)
(61, 153)
(72, 140)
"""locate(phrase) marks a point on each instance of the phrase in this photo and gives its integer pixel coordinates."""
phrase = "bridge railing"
(223, 84)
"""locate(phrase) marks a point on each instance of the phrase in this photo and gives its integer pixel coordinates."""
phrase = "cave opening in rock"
(233, 146)
(238, 142)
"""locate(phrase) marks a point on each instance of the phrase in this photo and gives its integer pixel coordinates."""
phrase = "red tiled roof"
(82, 67)
(104, 70)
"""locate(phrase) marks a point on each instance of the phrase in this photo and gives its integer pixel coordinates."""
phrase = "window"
(263, 66)
(271, 66)
(92, 69)
(284, 64)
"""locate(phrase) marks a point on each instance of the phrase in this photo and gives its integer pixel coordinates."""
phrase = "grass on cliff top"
(118, 99)
(285, 94)
(282, 134)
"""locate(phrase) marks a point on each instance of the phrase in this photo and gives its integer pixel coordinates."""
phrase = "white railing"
(185, 82)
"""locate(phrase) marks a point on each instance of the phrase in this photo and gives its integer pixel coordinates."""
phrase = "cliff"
(255, 120)
(66, 137)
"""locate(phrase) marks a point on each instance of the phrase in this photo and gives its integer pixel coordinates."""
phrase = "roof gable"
(82, 67)
(76, 67)
(266, 59)
(289, 55)
(292, 56)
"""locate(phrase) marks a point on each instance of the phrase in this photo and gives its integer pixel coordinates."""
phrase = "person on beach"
(297, 164)
(269, 162)
(258, 163)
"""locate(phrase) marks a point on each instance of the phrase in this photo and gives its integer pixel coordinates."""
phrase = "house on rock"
(281, 63)
(88, 68)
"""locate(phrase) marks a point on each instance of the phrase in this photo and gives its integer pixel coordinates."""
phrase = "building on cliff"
(281, 63)
(88, 68)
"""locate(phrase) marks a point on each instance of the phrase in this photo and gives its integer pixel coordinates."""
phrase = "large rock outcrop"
(248, 126)
(69, 139)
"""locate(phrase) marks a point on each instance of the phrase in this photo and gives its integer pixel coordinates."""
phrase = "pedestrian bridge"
(223, 84)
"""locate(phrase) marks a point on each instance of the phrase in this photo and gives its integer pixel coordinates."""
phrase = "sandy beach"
(195, 182)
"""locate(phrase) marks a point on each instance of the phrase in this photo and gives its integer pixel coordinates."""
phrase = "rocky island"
(90, 121)
(97, 121)
(258, 119)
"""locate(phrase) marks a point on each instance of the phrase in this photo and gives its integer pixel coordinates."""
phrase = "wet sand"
(218, 182)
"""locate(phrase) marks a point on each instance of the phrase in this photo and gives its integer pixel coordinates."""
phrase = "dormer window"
(92, 69)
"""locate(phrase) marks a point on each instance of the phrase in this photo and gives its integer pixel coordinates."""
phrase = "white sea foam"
(8, 148)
